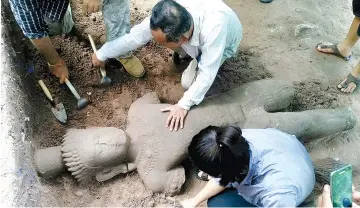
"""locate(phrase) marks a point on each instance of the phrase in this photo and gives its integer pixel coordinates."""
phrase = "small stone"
(170, 199)
(325, 88)
(26, 119)
(98, 197)
(79, 193)
(93, 18)
(88, 93)
(59, 180)
(303, 28)
(163, 201)
(67, 186)
(163, 196)
(317, 82)
(333, 105)
(151, 204)
(298, 10)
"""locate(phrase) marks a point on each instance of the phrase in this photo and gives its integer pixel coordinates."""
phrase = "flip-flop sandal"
(202, 176)
(335, 51)
(349, 79)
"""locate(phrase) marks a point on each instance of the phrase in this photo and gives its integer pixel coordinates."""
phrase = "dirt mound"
(236, 71)
(314, 94)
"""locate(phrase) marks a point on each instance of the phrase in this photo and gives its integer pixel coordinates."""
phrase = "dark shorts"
(356, 7)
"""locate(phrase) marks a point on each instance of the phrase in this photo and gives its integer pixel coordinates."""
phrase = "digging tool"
(57, 109)
(82, 102)
(105, 80)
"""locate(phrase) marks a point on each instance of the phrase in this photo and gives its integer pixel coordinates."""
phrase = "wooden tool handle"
(92, 43)
(46, 90)
(102, 71)
(72, 89)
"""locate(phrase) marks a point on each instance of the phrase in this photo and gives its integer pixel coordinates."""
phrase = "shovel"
(57, 109)
(104, 80)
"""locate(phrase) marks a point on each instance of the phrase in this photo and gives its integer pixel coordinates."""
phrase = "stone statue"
(148, 146)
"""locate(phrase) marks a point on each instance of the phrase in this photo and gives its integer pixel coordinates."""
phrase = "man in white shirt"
(207, 30)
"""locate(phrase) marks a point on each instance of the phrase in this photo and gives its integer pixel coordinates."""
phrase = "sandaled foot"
(203, 176)
(332, 49)
(349, 84)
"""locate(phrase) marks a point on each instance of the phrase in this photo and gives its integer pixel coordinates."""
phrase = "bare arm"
(46, 48)
(57, 65)
(211, 189)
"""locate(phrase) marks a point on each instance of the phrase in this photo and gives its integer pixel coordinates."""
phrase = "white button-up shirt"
(216, 36)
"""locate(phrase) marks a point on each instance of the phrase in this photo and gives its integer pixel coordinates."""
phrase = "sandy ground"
(285, 34)
(279, 41)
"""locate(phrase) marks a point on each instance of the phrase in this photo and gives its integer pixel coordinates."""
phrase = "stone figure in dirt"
(156, 153)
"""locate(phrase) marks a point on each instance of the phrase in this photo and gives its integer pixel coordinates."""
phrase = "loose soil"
(259, 57)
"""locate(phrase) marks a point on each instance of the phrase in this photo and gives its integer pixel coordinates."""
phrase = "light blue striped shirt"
(281, 173)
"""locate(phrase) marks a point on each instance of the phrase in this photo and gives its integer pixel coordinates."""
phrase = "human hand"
(324, 199)
(91, 6)
(96, 62)
(188, 203)
(60, 70)
(356, 198)
(176, 117)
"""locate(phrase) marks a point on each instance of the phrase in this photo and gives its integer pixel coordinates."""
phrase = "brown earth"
(109, 106)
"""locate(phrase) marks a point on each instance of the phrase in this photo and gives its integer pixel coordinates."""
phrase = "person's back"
(251, 167)
(279, 164)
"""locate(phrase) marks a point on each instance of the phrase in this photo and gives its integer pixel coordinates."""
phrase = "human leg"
(190, 73)
(344, 48)
(349, 84)
(228, 198)
(117, 21)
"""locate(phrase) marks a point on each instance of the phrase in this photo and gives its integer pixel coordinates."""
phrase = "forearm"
(211, 189)
(139, 35)
(116, 48)
(46, 48)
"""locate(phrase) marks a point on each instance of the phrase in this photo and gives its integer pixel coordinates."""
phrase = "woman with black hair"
(253, 167)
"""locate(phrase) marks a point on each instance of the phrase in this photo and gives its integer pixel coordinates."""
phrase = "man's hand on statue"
(176, 117)
(60, 70)
(91, 6)
(96, 62)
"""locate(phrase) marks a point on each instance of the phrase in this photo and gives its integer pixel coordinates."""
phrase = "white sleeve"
(139, 35)
(212, 52)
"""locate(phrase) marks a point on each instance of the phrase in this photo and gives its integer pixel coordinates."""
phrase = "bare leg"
(349, 42)
(351, 86)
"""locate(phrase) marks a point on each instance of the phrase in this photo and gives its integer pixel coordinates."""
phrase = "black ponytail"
(221, 152)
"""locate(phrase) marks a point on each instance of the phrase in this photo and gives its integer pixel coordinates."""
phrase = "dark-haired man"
(208, 31)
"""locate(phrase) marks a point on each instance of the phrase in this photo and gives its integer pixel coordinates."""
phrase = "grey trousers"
(117, 19)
